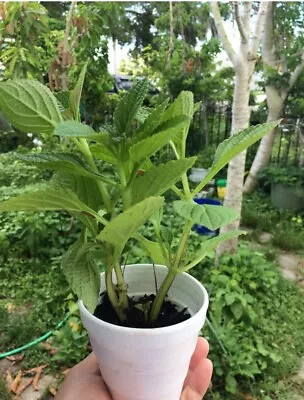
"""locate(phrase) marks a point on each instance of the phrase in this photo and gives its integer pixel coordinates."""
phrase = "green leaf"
(210, 216)
(151, 123)
(50, 199)
(210, 245)
(82, 273)
(182, 106)
(234, 145)
(64, 162)
(75, 95)
(126, 224)
(129, 105)
(85, 188)
(153, 250)
(103, 153)
(147, 147)
(73, 129)
(157, 180)
(29, 106)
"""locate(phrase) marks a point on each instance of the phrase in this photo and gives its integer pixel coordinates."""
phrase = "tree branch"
(259, 28)
(297, 72)
(222, 31)
(239, 22)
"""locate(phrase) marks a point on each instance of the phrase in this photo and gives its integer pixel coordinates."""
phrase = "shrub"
(255, 315)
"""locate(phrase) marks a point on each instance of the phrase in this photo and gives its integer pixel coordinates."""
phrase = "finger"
(197, 381)
(201, 351)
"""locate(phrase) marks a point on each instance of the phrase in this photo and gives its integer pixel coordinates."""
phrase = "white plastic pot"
(148, 364)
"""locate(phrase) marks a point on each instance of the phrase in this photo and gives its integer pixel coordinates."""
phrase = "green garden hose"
(36, 341)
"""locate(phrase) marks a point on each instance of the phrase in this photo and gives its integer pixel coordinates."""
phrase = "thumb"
(190, 394)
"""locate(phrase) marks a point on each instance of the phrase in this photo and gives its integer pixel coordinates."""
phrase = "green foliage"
(289, 176)
(209, 216)
(129, 106)
(25, 49)
(286, 227)
(14, 173)
(29, 106)
(64, 162)
(82, 273)
(75, 94)
(159, 179)
(254, 312)
(144, 149)
(5, 393)
(73, 129)
(50, 199)
(80, 184)
(70, 343)
(234, 145)
(126, 224)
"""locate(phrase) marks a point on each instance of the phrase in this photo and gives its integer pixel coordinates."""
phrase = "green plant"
(4, 392)
(112, 207)
(256, 322)
(288, 176)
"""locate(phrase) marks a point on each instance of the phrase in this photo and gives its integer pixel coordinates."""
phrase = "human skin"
(85, 382)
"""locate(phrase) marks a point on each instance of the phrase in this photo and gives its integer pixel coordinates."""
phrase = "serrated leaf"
(103, 153)
(82, 273)
(50, 199)
(63, 98)
(210, 216)
(129, 105)
(75, 94)
(234, 145)
(85, 188)
(125, 225)
(210, 245)
(29, 106)
(142, 114)
(153, 250)
(158, 179)
(183, 105)
(151, 123)
(73, 129)
(65, 162)
(147, 147)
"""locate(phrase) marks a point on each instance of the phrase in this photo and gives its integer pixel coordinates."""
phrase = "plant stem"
(125, 188)
(112, 295)
(83, 146)
(183, 242)
(121, 288)
(187, 192)
(162, 293)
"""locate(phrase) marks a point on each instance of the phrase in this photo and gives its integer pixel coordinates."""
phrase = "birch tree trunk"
(243, 59)
(276, 98)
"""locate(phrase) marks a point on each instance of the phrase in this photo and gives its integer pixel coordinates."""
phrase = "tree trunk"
(171, 38)
(236, 168)
(262, 158)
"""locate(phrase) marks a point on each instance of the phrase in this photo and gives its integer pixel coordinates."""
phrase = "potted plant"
(150, 315)
(287, 186)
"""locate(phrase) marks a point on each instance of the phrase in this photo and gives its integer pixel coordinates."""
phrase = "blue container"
(202, 230)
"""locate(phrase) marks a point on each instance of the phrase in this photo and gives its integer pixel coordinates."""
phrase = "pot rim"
(152, 331)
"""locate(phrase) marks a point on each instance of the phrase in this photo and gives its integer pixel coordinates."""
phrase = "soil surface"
(138, 311)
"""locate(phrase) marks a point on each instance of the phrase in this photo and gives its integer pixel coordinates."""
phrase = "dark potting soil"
(136, 314)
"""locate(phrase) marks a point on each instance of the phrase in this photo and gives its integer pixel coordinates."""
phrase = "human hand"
(84, 381)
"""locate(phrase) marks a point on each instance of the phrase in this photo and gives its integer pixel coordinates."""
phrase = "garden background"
(256, 324)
